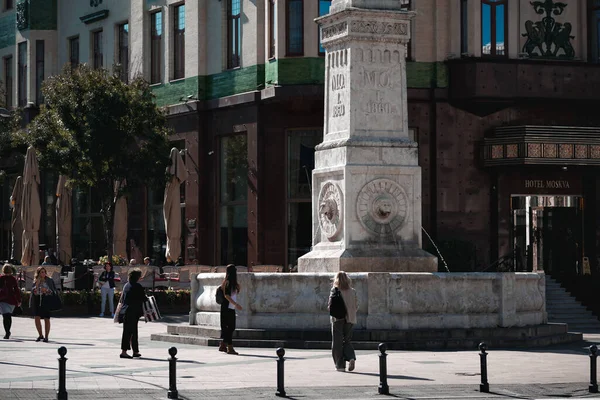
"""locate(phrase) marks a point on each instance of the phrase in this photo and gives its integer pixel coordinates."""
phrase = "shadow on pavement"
(403, 377)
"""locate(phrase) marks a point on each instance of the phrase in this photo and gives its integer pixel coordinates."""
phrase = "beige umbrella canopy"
(63, 220)
(171, 205)
(120, 222)
(31, 211)
(16, 226)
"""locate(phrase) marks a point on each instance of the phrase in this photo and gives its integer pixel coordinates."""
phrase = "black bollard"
(61, 394)
(593, 370)
(383, 386)
(280, 360)
(172, 393)
(484, 386)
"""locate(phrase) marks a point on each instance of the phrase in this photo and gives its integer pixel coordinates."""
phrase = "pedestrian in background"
(42, 287)
(10, 297)
(134, 298)
(107, 280)
(231, 289)
(341, 328)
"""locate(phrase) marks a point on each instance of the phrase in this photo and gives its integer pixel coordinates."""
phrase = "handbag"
(52, 302)
(118, 316)
(150, 309)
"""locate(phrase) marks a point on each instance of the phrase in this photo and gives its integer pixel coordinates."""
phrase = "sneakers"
(351, 365)
(137, 355)
(125, 355)
(101, 315)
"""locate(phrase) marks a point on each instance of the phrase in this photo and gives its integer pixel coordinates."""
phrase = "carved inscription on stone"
(334, 30)
(330, 210)
(378, 27)
(338, 84)
(380, 81)
(382, 207)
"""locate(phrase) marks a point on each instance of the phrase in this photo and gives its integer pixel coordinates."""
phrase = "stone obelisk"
(367, 182)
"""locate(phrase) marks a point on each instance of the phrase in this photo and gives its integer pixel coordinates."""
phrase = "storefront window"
(88, 228)
(301, 162)
(233, 220)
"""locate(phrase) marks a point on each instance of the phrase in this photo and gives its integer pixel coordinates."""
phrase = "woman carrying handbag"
(42, 301)
(10, 297)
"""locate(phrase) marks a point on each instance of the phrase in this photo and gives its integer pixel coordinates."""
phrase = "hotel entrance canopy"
(542, 145)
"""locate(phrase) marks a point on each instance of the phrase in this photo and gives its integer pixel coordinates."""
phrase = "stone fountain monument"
(367, 220)
(367, 179)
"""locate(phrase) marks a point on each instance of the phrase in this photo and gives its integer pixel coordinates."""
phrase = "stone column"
(367, 181)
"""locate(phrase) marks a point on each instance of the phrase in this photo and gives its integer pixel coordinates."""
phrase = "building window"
(8, 81)
(493, 27)
(179, 42)
(295, 27)
(300, 164)
(22, 74)
(74, 52)
(594, 47)
(234, 34)
(155, 47)
(323, 10)
(233, 218)
(123, 51)
(464, 27)
(272, 29)
(97, 49)
(39, 71)
(8, 4)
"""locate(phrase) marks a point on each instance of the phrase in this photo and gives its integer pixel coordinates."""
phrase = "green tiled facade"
(8, 24)
(42, 15)
(287, 71)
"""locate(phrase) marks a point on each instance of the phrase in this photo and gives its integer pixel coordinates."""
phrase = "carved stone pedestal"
(367, 181)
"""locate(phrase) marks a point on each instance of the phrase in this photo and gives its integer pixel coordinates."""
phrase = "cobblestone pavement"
(95, 371)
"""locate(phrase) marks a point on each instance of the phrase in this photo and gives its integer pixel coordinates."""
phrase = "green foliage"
(96, 130)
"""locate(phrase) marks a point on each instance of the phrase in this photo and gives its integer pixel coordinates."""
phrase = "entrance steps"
(562, 307)
(425, 339)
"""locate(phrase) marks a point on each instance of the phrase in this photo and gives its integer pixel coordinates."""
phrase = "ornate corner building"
(502, 101)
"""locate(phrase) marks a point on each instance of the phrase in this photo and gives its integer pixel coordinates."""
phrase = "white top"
(234, 298)
(106, 285)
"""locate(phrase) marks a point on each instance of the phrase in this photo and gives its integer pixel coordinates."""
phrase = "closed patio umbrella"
(120, 223)
(171, 205)
(16, 225)
(31, 210)
(64, 218)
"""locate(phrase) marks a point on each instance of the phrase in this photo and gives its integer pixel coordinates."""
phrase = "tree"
(10, 152)
(97, 130)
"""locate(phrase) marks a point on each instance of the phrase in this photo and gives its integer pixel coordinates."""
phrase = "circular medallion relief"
(382, 207)
(330, 210)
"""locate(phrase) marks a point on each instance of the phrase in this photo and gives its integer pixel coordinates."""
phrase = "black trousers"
(129, 340)
(227, 325)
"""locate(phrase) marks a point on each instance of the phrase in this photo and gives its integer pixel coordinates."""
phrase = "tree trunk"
(108, 217)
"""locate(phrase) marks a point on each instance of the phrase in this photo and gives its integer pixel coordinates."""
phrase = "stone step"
(466, 343)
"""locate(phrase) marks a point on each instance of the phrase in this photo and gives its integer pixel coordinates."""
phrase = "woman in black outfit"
(231, 288)
(134, 297)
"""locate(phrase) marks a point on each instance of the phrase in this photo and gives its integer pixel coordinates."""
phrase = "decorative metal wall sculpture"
(548, 38)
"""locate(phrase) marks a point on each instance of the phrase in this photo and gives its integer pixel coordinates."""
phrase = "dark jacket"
(9, 290)
(135, 296)
(51, 286)
(108, 276)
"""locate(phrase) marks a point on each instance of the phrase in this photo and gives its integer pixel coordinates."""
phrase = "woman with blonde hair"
(43, 286)
(341, 328)
(10, 297)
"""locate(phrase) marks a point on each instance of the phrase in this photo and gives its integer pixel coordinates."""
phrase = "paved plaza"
(95, 371)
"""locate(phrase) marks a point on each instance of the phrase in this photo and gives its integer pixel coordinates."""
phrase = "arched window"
(494, 23)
